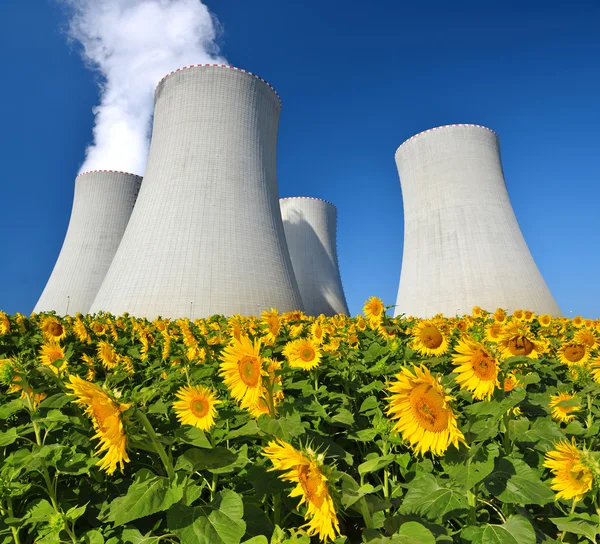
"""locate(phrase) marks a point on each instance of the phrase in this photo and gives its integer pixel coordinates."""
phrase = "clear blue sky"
(356, 80)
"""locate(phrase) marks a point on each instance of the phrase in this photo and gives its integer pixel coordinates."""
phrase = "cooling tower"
(462, 243)
(310, 231)
(206, 235)
(102, 206)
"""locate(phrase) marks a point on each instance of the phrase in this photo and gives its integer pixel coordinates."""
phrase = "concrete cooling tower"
(310, 231)
(206, 235)
(102, 206)
(462, 243)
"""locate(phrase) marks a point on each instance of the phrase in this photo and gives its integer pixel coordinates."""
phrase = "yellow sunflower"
(317, 332)
(307, 470)
(510, 382)
(81, 332)
(105, 414)
(98, 328)
(476, 367)
(493, 332)
(196, 406)
(271, 324)
(545, 320)
(595, 369)
(477, 311)
(573, 353)
(517, 339)
(296, 330)
(373, 310)
(577, 321)
(262, 404)
(423, 413)
(241, 369)
(52, 355)
(4, 324)
(560, 412)
(586, 337)
(303, 353)
(528, 316)
(573, 477)
(499, 315)
(428, 339)
(53, 330)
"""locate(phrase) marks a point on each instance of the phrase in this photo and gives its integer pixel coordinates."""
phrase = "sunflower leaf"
(468, 467)
(426, 497)
(515, 530)
(217, 523)
(577, 526)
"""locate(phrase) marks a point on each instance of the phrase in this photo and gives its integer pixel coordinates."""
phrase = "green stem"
(213, 486)
(15, 530)
(277, 509)
(155, 442)
(590, 418)
(386, 473)
(507, 445)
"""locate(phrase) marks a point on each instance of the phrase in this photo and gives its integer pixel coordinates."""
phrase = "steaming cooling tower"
(310, 231)
(206, 234)
(101, 209)
(462, 243)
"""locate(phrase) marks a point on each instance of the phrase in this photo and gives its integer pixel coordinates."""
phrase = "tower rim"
(308, 198)
(107, 172)
(208, 65)
(468, 125)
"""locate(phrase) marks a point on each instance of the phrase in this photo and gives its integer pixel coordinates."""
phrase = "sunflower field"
(288, 429)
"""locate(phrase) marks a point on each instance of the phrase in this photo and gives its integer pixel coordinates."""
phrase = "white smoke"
(133, 44)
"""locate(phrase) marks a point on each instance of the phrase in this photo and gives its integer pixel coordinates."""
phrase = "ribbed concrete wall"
(102, 205)
(206, 234)
(310, 226)
(462, 243)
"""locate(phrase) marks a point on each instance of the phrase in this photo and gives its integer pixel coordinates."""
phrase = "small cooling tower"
(102, 206)
(206, 235)
(462, 243)
(310, 231)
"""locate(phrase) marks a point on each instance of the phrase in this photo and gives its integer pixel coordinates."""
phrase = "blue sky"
(356, 80)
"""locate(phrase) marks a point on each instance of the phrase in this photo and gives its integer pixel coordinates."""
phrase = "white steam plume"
(133, 44)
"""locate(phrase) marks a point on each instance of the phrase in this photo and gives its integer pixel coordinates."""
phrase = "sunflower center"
(428, 408)
(519, 345)
(55, 329)
(483, 365)
(574, 353)
(310, 480)
(54, 355)
(199, 407)
(249, 369)
(307, 354)
(431, 337)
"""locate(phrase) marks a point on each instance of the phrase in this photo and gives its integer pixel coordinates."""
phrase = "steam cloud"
(133, 44)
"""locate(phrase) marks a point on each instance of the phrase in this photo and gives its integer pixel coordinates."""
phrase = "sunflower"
(510, 382)
(105, 414)
(317, 332)
(271, 324)
(572, 476)
(428, 339)
(107, 355)
(577, 321)
(476, 367)
(307, 470)
(586, 337)
(261, 406)
(595, 369)
(81, 332)
(561, 412)
(528, 316)
(4, 324)
(303, 353)
(573, 353)
(424, 415)
(241, 369)
(296, 330)
(477, 311)
(545, 320)
(373, 309)
(499, 315)
(196, 406)
(493, 332)
(98, 328)
(517, 339)
(52, 355)
(361, 325)
(53, 330)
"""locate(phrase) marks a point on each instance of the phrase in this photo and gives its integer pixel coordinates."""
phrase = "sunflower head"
(53, 330)
(303, 353)
(271, 325)
(476, 367)
(307, 470)
(52, 355)
(422, 412)
(242, 369)
(572, 470)
(428, 338)
(373, 310)
(573, 353)
(518, 340)
(564, 406)
(196, 406)
(4, 324)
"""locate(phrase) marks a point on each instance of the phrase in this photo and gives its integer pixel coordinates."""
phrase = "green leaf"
(413, 532)
(93, 537)
(375, 464)
(284, 428)
(198, 459)
(218, 523)
(364, 435)
(541, 436)
(10, 408)
(75, 512)
(343, 417)
(469, 467)
(577, 526)
(8, 437)
(426, 497)
(515, 481)
(249, 429)
(56, 401)
(147, 495)
(368, 404)
(260, 539)
(515, 530)
(192, 435)
(39, 512)
(133, 536)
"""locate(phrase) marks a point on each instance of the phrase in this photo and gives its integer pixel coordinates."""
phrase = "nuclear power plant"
(462, 243)
(310, 229)
(102, 205)
(206, 235)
